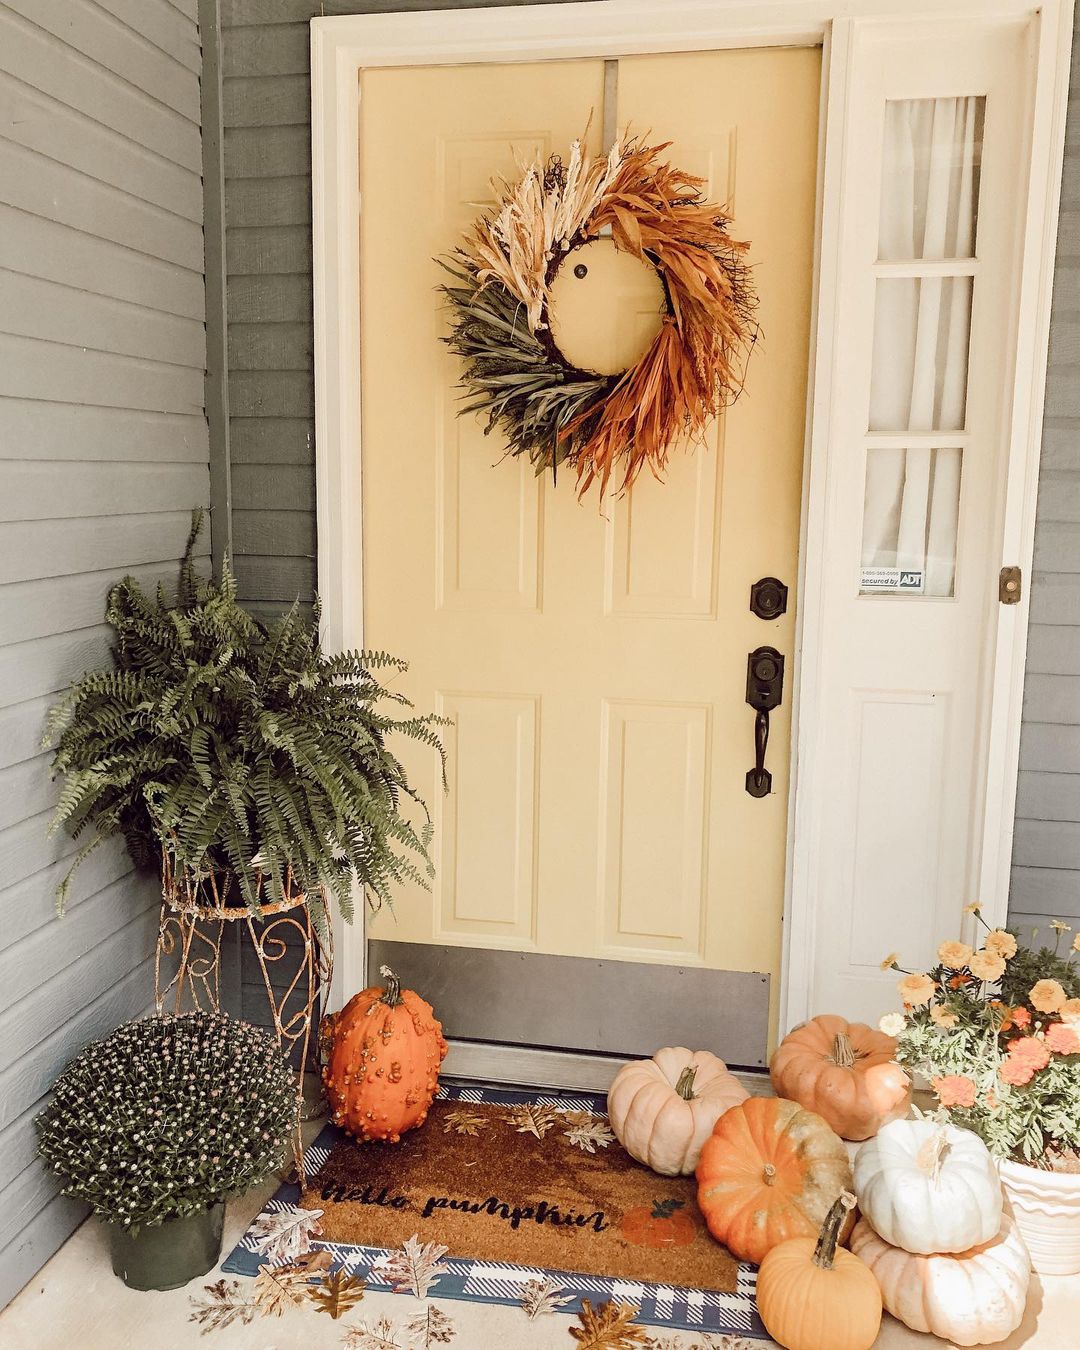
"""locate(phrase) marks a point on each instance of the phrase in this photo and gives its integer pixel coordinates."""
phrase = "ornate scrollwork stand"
(193, 919)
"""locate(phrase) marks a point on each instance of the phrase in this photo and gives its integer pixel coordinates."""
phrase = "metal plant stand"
(187, 964)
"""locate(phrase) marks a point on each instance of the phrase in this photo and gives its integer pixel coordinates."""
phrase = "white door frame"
(341, 47)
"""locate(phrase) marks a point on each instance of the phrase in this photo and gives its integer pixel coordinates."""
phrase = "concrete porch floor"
(76, 1301)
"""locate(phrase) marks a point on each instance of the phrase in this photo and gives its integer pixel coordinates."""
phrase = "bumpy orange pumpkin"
(845, 1072)
(769, 1171)
(815, 1296)
(382, 1071)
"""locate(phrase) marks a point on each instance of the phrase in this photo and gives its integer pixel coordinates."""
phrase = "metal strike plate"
(768, 598)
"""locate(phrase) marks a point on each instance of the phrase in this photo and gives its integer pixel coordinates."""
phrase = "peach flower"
(955, 955)
(887, 962)
(987, 965)
(1063, 1040)
(1047, 996)
(954, 1090)
(1076, 943)
(973, 908)
(916, 989)
(1001, 943)
(943, 1017)
(1021, 1017)
(1070, 1012)
(1016, 1072)
(1030, 1050)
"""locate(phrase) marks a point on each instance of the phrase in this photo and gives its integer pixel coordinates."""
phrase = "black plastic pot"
(168, 1255)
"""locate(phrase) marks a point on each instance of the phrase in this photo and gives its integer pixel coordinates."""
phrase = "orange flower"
(955, 955)
(1016, 1072)
(987, 965)
(1070, 1012)
(1030, 1050)
(1063, 1040)
(1047, 996)
(1001, 943)
(991, 1100)
(916, 989)
(1021, 1017)
(954, 1090)
(943, 1017)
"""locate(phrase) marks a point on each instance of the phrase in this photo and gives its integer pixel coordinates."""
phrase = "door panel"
(592, 658)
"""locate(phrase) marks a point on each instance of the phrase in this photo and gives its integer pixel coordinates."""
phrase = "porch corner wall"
(103, 453)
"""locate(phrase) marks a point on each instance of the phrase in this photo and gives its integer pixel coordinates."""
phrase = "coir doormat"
(520, 1185)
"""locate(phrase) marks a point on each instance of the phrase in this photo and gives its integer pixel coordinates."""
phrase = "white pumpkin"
(663, 1109)
(928, 1187)
(975, 1297)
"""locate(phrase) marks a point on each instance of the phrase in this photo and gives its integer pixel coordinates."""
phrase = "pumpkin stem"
(768, 1174)
(685, 1086)
(842, 1053)
(391, 995)
(931, 1155)
(825, 1251)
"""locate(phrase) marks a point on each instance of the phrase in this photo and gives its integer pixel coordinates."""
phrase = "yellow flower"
(973, 908)
(1076, 943)
(943, 1017)
(916, 989)
(1070, 1012)
(955, 955)
(1047, 996)
(887, 962)
(1059, 926)
(892, 1024)
(987, 965)
(1001, 943)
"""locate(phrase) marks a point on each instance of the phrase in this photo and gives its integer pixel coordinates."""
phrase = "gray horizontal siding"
(1046, 846)
(103, 452)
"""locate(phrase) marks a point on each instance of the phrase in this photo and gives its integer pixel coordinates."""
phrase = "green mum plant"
(997, 1032)
(238, 754)
(168, 1116)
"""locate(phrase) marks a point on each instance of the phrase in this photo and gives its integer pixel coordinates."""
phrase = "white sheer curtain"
(921, 332)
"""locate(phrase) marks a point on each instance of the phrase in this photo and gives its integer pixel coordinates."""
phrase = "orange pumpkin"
(845, 1071)
(382, 1070)
(816, 1296)
(770, 1171)
(665, 1224)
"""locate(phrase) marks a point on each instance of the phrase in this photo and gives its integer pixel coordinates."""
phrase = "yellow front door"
(592, 659)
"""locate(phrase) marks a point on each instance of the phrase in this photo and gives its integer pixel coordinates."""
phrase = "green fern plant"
(240, 751)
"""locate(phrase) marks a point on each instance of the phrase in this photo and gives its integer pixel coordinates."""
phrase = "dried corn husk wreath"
(550, 410)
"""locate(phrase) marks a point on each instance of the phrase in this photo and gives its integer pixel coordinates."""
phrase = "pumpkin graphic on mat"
(382, 1070)
(664, 1224)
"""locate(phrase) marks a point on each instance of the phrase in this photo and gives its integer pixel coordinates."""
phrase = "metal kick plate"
(577, 1003)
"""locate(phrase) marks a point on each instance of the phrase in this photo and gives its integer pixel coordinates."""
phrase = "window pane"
(910, 514)
(930, 178)
(920, 358)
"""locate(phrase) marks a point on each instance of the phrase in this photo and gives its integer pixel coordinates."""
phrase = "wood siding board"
(267, 152)
(279, 581)
(31, 904)
(45, 490)
(65, 431)
(43, 124)
(34, 183)
(1048, 891)
(268, 201)
(27, 551)
(21, 728)
(272, 393)
(272, 101)
(269, 250)
(1059, 498)
(1055, 749)
(1061, 445)
(80, 84)
(51, 663)
(33, 368)
(84, 27)
(289, 534)
(271, 346)
(1054, 649)
(1048, 796)
(1047, 843)
(271, 299)
(274, 487)
(41, 1238)
(160, 25)
(281, 440)
(1054, 598)
(39, 308)
(241, 13)
(85, 261)
(18, 1144)
(25, 790)
(269, 49)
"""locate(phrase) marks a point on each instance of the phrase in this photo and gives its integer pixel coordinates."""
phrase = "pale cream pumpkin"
(975, 1297)
(929, 1187)
(845, 1071)
(663, 1109)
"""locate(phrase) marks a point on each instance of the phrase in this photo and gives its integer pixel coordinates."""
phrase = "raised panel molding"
(899, 743)
(653, 806)
(466, 165)
(485, 826)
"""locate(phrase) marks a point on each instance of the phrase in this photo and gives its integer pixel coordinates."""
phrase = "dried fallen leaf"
(608, 1327)
(543, 1296)
(430, 1327)
(225, 1303)
(463, 1122)
(535, 1120)
(415, 1267)
(285, 1234)
(336, 1293)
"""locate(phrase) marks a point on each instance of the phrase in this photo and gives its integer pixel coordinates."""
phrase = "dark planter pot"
(168, 1255)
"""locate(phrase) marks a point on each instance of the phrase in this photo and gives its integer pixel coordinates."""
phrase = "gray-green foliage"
(168, 1115)
(242, 749)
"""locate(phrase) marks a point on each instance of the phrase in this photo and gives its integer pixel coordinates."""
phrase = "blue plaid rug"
(703, 1310)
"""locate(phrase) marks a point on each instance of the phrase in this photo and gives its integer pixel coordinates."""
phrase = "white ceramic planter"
(1046, 1206)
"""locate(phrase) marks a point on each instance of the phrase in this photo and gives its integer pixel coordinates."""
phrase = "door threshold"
(529, 1066)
